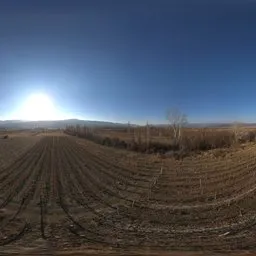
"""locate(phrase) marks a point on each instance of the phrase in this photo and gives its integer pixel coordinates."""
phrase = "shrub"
(191, 141)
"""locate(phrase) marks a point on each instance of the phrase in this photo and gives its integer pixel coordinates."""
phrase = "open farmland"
(61, 193)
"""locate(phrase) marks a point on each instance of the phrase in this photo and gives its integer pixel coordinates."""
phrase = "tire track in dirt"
(25, 181)
(81, 200)
(216, 203)
(44, 188)
(98, 183)
(75, 225)
(29, 193)
(249, 223)
(80, 188)
(123, 173)
(247, 179)
(225, 202)
(21, 163)
(14, 237)
(92, 235)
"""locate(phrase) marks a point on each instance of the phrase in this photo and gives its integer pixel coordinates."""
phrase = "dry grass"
(159, 140)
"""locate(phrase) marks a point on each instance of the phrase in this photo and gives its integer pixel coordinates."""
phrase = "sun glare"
(38, 107)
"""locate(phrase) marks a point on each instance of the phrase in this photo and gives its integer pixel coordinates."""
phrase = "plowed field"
(63, 193)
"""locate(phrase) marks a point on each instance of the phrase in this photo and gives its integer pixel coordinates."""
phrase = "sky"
(130, 60)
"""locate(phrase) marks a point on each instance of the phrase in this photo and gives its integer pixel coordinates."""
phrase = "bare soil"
(69, 196)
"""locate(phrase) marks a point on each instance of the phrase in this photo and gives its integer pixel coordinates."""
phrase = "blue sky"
(131, 60)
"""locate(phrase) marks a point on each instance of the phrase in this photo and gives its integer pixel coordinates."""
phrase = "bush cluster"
(201, 140)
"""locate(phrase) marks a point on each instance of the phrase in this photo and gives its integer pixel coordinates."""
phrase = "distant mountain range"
(217, 125)
(60, 124)
(55, 124)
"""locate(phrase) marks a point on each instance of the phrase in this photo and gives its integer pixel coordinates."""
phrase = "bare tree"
(147, 134)
(236, 129)
(177, 120)
(129, 128)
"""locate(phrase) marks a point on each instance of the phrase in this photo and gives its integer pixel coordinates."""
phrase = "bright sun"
(38, 107)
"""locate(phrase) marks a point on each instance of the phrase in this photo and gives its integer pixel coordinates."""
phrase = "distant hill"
(210, 125)
(60, 124)
(55, 124)
(218, 125)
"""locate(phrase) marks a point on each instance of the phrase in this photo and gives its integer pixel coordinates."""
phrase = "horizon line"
(120, 122)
